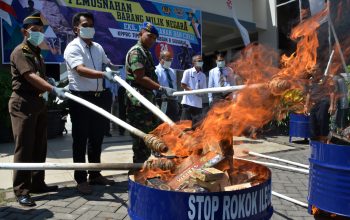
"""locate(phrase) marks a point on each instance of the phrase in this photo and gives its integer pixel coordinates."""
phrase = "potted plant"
(5, 93)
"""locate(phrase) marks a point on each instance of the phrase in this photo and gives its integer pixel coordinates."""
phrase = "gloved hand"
(59, 92)
(51, 81)
(167, 91)
(109, 75)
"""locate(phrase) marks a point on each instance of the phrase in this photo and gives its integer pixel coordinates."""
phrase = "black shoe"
(44, 189)
(25, 200)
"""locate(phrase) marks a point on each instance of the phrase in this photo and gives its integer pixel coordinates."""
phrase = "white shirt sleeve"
(73, 56)
(185, 77)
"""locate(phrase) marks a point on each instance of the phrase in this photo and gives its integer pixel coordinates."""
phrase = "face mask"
(35, 37)
(199, 64)
(220, 64)
(167, 64)
(87, 32)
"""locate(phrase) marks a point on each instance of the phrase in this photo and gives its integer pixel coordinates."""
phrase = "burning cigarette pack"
(157, 183)
(237, 187)
(208, 174)
(212, 186)
(208, 160)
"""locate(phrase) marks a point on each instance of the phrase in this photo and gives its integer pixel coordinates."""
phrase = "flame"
(253, 107)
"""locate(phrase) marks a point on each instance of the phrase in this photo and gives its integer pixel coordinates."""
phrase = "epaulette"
(27, 51)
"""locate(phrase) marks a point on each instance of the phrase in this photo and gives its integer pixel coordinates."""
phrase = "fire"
(279, 78)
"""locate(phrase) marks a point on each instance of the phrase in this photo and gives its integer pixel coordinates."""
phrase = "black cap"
(33, 18)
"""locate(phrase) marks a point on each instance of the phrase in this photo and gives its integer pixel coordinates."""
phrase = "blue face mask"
(35, 37)
(87, 32)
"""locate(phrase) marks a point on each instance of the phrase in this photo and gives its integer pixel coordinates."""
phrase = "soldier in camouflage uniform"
(28, 110)
(141, 76)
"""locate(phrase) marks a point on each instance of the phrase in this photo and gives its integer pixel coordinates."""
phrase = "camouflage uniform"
(139, 116)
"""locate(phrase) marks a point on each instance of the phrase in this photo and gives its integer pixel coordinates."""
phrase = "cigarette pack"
(237, 187)
(212, 186)
(157, 183)
(208, 174)
(208, 160)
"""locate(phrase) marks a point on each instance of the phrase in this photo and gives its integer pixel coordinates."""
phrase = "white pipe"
(329, 63)
(70, 166)
(303, 204)
(209, 90)
(217, 89)
(143, 100)
(285, 3)
(106, 114)
(276, 165)
(278, 159)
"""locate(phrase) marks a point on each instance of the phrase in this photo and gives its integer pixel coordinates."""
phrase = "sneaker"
(100, 180)
(84, 188)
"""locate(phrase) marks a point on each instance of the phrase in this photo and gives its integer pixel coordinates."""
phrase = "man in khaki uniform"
(28, 110)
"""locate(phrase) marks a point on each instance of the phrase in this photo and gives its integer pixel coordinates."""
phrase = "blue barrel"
(147, 203)
(329, 178)
(299, 126)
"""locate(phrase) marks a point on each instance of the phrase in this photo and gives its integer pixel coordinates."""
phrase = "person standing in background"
(193, 79)
(167, 77)
(219, 77)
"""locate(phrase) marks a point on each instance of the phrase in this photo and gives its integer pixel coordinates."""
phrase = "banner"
(117, 25)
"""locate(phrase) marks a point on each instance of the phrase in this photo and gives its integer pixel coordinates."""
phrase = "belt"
(89, 93)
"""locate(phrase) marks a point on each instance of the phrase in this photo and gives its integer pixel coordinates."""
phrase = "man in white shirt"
(219, 77)
(193, 79)
(167, 78)
(84, 60)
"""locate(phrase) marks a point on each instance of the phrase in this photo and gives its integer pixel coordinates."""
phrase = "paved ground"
(111, 202)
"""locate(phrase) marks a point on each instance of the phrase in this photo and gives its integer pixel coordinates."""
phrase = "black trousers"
(29, 125)
(108, 108)
(88, 129)
(319, 119)
(191, 113)
(121, 107)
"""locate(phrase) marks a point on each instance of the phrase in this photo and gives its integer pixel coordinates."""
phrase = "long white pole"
(106, 114)
(285, 3)
(276, 165)
(278, 159)
(329, 63)
(143, 100)
(303, 204)
(210, 90)
(217, 89)
(70, 166)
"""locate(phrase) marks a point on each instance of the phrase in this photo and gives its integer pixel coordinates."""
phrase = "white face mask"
(166, 64)
(87, 32)
(220, 64)
(35, 37)
(199, 64)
